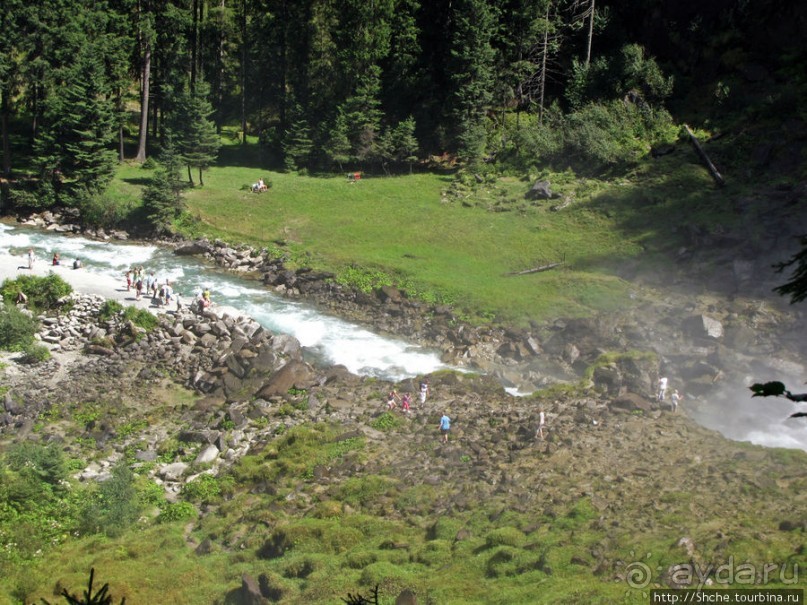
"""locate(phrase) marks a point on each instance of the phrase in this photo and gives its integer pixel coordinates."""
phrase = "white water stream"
(330, 339)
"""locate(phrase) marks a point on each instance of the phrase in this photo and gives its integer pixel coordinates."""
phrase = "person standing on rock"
(424, 390)
(406, 401)
(539, 433)
(392, 396)
(675, 398)
(445, 427)
(662, 388)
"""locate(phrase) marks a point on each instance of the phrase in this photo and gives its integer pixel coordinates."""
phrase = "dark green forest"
(503, 84)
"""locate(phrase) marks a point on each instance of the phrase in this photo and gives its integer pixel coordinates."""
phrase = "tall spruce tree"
(78, 128)
(194, 131)
(162, 197)
(471, 73)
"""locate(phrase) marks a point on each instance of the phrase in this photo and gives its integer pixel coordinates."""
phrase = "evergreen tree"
(194, 131)
(471, 75)
(404, 143)
(337, 147)
(297, 143)
(162, 197)
(78, 128)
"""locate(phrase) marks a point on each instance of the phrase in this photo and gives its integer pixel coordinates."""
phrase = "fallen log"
(705, 158)
(536, 269)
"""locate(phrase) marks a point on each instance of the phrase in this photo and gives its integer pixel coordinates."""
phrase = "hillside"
(317, 492)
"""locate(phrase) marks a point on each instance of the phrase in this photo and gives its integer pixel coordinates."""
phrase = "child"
(405, 401)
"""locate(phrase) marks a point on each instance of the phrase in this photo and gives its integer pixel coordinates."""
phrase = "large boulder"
(192, 248)
(702, 326)
(295, 374)
(540, 190)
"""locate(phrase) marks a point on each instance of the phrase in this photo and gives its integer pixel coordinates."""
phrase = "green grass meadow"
(410, 231)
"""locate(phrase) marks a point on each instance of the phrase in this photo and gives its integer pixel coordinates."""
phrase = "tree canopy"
(323, 83)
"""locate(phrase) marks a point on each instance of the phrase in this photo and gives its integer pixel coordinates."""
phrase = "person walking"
(445, 427)
(675, 399)
(662, 388)
(406, 401)
(539, 433)
(424, 390)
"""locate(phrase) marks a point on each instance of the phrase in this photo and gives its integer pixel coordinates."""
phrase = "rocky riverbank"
(199, 393)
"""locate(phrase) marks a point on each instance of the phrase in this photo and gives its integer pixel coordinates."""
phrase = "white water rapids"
(327, 338)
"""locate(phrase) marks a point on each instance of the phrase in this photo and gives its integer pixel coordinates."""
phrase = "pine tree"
(337, 148)
(78, 128)
(404, 143)
(471, 75)
(194, 131)
(162, 197)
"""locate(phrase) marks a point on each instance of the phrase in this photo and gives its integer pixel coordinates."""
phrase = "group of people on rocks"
(148, 284)
(405, 400)
(56, 260)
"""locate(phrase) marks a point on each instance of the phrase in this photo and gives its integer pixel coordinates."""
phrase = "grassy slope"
(459, 250)
(402, 226)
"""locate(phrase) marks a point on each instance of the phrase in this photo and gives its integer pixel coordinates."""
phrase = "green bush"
(177, 511)
(115, 505)
(206, 489)
(386, 422)
(44, 462)
(16, 329)
(142, 318)
(34, 353)
(109, 309)
(42, 292)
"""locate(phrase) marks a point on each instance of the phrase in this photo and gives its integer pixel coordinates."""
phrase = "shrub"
(141, 317)
(386, 422)
(16, 329)
(104, 211)
(116, 504)
(34, 353)
(44, 462)
(505, 536)
(42, 292)
(204, 489)
(109, 309)
(177, 511)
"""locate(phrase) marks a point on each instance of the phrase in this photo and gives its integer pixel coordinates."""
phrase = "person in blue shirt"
(445, 426)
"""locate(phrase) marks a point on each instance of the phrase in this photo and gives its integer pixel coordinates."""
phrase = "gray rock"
(173, 471)
(540, 190)
(207, 455)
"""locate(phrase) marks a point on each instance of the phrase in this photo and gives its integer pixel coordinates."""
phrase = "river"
(327, 339)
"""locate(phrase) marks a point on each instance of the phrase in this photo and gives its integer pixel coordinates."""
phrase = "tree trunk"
(705, 158)
(201, 180)
(544, 53)
(121, 157)
(144, 105)
(4, 112)
(219, 84)
(195, 42)
(590, 33)
(244, 72)
(190, 175)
